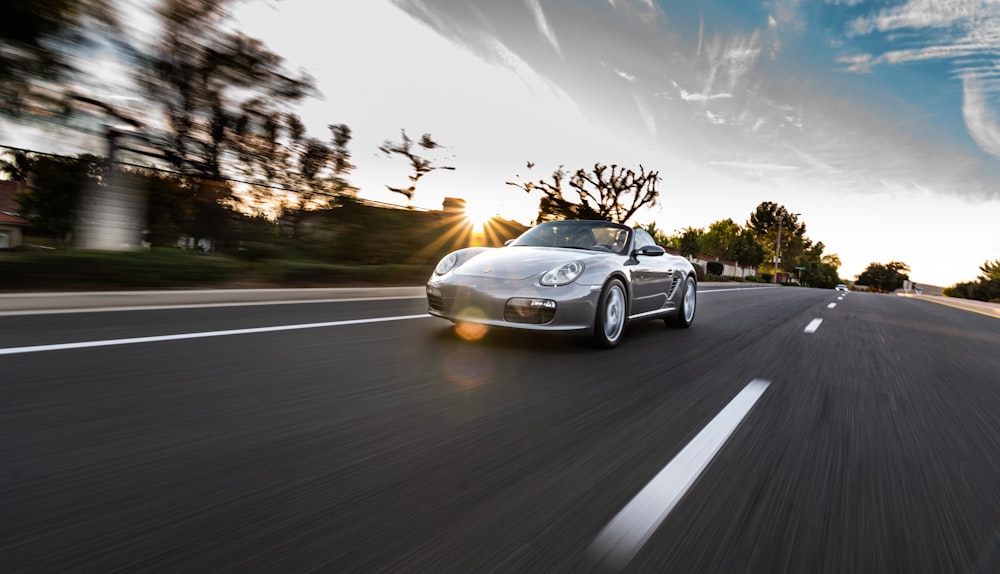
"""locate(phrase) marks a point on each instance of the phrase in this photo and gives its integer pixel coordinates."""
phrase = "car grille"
(435, 302)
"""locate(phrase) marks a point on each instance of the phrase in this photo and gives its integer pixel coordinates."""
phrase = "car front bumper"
(487, 301)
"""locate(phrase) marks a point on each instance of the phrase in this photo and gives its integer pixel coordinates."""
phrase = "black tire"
(689, 303)
(611, 316)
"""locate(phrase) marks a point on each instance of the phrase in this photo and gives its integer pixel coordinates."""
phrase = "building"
(11, 223)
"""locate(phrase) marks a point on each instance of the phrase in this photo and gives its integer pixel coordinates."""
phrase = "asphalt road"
(778, 434)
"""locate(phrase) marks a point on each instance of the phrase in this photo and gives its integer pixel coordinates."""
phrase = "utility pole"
(777, 247)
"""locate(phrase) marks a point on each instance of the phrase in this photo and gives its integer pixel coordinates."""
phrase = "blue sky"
(877, 121)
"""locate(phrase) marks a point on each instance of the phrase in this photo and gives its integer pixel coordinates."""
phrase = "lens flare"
(470, 330)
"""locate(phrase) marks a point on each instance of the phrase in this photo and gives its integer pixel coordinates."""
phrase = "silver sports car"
(582, 276)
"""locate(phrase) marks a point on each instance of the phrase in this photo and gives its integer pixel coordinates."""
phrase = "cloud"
(754, 166)
(543, 25)
(922, 14)
(979, 121)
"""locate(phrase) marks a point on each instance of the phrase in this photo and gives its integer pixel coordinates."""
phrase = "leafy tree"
(17, 166)
(57, 187)
(721, 240)
(421, 166)
(819, 270)
(213, 86)
(689, 242)
(768, 220)
(747, 250)
(610, 193)
(985, 288)
(884, 278)
(38, 42)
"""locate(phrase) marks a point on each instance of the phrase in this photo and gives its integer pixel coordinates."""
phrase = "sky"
(877, 121)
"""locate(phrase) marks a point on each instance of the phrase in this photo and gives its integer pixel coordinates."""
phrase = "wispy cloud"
(980, 122)
(543, 25)
(754, 166)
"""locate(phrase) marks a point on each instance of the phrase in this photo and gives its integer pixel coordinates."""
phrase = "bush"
(699, 272)
(715, 268)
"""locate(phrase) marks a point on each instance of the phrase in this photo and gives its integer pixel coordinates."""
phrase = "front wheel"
(609, 324)
(689, 301)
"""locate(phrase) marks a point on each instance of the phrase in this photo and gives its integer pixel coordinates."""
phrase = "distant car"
(566, 276)
(841, 287)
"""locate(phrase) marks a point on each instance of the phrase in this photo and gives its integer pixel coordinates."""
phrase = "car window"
(589, 235)
(643, 239)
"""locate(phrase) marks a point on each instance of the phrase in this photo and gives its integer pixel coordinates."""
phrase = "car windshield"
(590, 235)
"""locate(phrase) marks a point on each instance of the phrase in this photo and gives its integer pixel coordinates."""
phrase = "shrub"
(715, 268)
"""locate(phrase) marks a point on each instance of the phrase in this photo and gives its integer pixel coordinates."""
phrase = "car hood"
(521, 262)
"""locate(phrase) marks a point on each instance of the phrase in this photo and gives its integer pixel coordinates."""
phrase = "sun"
(479, 213)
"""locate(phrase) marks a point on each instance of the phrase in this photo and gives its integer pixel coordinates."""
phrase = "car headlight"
(446, 264)
(565, 273)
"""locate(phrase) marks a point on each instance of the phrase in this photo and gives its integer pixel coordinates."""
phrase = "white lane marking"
(202, 335)
(841, 298)
(625, 535)
(731, 289)
(57, 311)
(813, 325)
(831, 305)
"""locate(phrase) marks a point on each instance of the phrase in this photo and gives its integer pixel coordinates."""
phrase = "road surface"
(789, 430)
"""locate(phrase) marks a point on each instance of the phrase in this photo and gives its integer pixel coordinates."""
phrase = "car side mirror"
(650, 250)
(508, 242)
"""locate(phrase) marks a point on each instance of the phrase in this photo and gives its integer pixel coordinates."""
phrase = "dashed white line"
(831, 305)
(625, 535)
(813, 325)
(202, 335)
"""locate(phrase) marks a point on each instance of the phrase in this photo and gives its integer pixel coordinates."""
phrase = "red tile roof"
(13, 220)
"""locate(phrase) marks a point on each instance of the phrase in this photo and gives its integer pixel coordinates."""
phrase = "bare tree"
(421, 166)
(610, 193)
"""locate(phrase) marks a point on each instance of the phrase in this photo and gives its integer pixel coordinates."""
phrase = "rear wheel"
(689, 301)
(609, 324)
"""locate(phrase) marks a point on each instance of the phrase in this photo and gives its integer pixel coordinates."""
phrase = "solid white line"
(622, 538)
(731, 289)
(198, 305)
(202, 335)
(831, 305)
(813, 325)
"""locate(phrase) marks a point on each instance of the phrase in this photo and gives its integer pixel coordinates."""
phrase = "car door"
(652, 276)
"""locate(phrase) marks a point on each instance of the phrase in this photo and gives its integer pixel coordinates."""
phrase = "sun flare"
(479, 213)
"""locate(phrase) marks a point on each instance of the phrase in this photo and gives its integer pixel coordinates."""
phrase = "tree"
(884, 278)
(768, 220)
(721, 240)
(610, 193)
(17, 166)
(689, 242)
(421, 166)
(53, 199)
(985, 288)
(213, 87)
(39, 40)
(747, 251)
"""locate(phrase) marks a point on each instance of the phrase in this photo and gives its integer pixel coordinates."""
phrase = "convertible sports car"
(570, 276)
